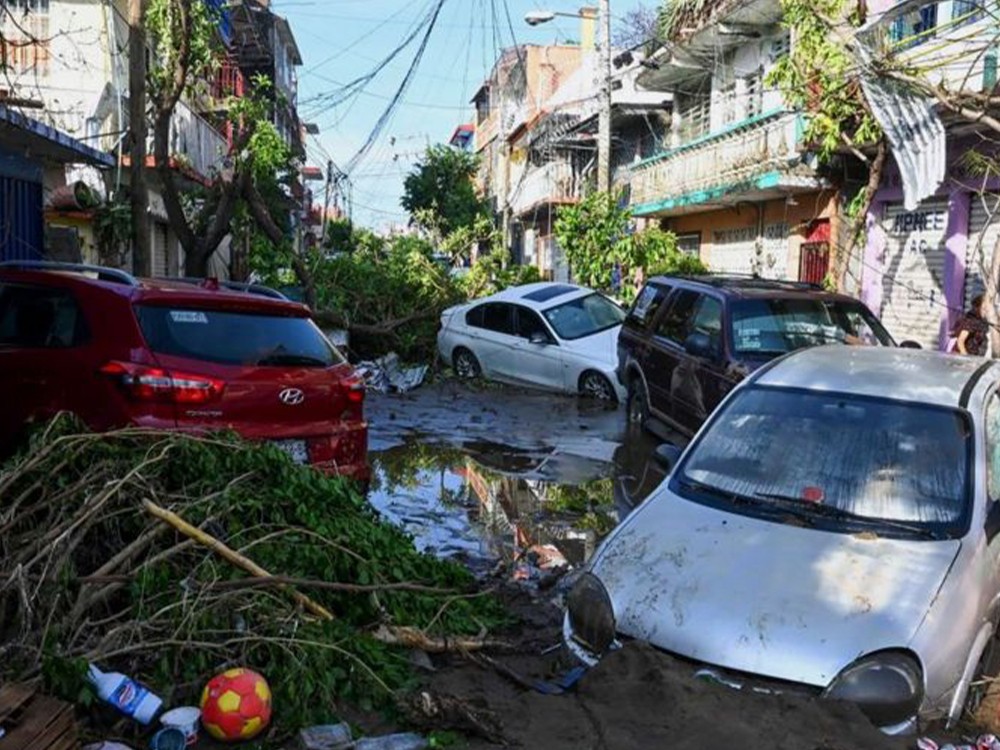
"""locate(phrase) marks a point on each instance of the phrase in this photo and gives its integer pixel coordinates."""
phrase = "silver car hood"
(602, 346)
(771, 599)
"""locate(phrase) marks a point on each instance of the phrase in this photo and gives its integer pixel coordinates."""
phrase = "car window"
(474, 317)
(871, 458)
(37, 317)
(236, 338)
(776, 326)
(993, 447)
(675, 325)
(708, 320)
(498, 317)
(584, 316)
(529, 323)
(647, 305)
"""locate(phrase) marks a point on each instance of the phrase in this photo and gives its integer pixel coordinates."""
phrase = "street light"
(537, 17)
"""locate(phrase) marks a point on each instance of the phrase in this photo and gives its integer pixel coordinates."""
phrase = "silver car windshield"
(835, 461)
(584, 316)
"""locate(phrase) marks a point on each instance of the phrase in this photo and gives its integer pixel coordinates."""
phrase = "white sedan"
(551, 335)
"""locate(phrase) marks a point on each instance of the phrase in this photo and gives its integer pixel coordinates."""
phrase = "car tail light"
(156, 384)
(355, 388)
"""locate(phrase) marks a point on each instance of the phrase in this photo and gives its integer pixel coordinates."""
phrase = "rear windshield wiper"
(292, 360)
(805, 508)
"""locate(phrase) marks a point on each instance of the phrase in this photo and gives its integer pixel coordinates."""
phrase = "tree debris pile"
(132, 549)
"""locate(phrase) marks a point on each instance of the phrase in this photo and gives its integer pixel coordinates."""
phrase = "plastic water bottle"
(125, 694)
(392, 742)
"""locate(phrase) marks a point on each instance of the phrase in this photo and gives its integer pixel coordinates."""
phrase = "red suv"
(169, 354)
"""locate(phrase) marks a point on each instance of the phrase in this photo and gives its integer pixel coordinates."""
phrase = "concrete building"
(734, 179)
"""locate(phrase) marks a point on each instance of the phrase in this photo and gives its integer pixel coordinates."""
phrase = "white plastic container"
(125, 694)
(184, 718)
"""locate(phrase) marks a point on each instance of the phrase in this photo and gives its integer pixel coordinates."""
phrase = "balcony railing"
(195, 143)
(950, 42)
(731, 157)
(553, 183)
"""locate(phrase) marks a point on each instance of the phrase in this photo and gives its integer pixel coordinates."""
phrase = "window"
(914, 27)
(776, 326)
(967, 11)
(530, 323)
(695, 119)
(474, 317)
(708, 321)
(859, 463)
(25, 27)
(727, 100)
(236, 338)
(690, 243)
(648, 304)
(993, 447)
(584, 316)
(497, 317)
(676, 324)
(40, 318)
(753, 91)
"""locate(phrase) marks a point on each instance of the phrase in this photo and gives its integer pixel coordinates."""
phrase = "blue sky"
(341, 40)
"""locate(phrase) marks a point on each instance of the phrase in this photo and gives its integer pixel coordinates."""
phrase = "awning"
(37, 140)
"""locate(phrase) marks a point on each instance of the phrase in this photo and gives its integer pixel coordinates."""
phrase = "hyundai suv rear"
(167, 354)
(687, 341)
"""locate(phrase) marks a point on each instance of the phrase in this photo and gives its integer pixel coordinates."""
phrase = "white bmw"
(550, 335)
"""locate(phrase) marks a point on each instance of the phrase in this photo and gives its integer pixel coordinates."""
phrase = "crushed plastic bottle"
(407, 741)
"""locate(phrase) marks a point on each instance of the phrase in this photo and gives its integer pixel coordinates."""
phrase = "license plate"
(296, 449)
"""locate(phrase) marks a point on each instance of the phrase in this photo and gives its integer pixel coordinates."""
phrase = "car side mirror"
(539, 338)
(910, 345)
(699, 345)
(667, 455)
(992, 520)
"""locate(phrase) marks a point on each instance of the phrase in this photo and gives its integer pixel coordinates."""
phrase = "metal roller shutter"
(913, 302)
(159, 250)
(984, 229)
(733, 250)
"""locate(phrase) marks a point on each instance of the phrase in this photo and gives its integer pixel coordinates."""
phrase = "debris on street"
(387, 374)
(30, 720)
(169, 557)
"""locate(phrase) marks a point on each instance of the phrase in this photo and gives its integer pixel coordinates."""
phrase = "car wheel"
(596, 386)
(465, 364)
(982, 704)
(638, 404)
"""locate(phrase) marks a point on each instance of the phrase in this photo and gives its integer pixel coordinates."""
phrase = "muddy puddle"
(506, 476)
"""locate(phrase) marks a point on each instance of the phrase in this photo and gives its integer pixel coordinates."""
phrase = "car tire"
(465, 364)
(594, 385)
(637, 405)
(982, 703)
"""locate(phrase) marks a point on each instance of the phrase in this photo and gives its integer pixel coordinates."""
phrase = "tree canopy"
(440, 193)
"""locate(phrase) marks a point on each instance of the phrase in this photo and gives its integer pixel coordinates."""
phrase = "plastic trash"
(407, 741)
(169, 738)
(325, 737)
(125, 694)
(185, 719)
(106, 745)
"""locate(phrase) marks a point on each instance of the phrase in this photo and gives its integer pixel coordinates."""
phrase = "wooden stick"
(229, 554)
(415, 638)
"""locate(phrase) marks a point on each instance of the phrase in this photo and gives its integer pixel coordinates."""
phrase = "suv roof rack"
(103, 273)
(235, 286)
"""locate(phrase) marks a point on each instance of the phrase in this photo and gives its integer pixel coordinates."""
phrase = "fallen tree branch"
(409, 637)
(336, 320)
(229, 554)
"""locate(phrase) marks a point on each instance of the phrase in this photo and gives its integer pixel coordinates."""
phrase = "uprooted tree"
(182, 34)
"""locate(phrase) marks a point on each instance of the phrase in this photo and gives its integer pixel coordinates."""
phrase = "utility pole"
(141, 260)
(604, 114)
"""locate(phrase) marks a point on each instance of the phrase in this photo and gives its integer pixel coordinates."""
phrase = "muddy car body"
(775, 565)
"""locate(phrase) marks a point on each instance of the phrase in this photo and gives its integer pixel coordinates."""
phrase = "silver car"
(832, 529)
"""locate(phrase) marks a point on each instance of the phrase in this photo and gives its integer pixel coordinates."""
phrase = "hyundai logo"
(292, 396)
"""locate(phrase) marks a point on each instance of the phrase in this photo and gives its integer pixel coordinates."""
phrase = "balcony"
(950, 42)
(746, 161)
(197, 146)
(553, 183)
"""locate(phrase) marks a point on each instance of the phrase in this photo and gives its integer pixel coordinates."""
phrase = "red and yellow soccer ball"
(236, 705)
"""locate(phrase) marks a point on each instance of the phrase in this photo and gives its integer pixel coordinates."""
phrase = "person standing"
(972, 331)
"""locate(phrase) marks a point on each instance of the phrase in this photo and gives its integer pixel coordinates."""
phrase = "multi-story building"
(922, 267)
(71, 58)
(734, 180)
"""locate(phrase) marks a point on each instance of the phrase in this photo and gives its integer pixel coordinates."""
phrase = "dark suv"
(687, 341)
(175, 354)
